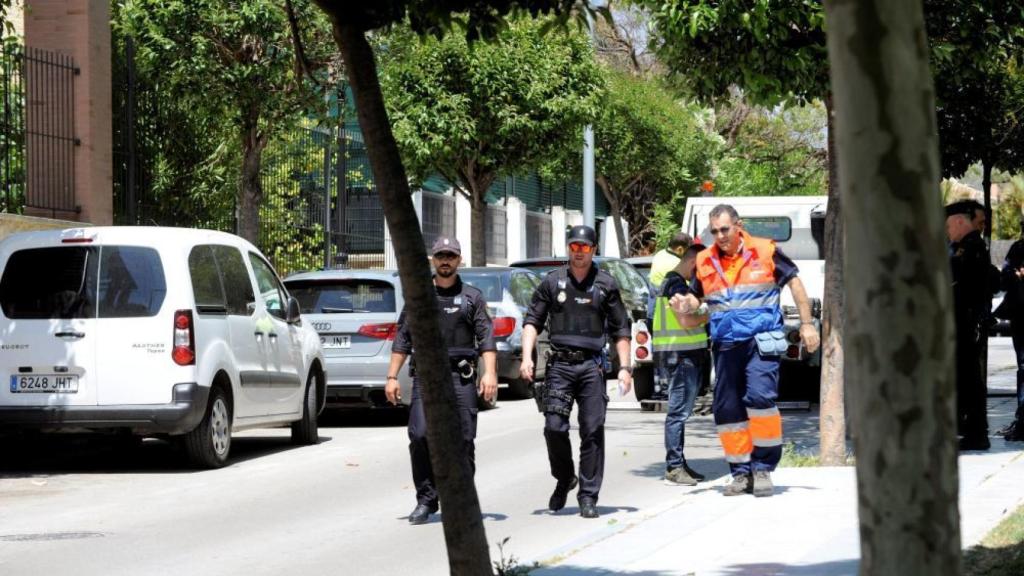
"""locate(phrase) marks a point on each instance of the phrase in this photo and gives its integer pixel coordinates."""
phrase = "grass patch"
(793, 457)
(1001, 553)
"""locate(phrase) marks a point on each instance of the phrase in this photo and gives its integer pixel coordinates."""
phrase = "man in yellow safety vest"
(680, 345)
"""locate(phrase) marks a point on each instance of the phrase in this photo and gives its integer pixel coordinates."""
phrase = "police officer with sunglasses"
(585, 308)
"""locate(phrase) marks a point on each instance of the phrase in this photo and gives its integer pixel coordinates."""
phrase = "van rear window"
(352, 295)
(82, 282)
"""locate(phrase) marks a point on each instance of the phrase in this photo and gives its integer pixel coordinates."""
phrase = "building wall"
(81, 29)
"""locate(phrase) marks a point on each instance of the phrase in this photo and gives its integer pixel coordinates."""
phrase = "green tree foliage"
(773, 153)
(472, 113)
(231, 60)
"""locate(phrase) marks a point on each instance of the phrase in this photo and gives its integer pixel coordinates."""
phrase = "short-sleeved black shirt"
(616, 320)
(477, 315)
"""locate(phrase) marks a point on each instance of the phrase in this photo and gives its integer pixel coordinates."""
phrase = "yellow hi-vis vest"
(670, 336)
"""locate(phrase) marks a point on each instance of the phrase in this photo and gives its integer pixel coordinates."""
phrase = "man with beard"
(585, 308)
(467, 332)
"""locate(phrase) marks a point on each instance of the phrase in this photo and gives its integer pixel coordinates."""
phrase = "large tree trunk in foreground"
(466, 540)
(899, 327)
(250, 188)
(832, 424)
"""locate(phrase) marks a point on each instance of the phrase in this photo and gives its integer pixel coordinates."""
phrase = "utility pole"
(588, 156)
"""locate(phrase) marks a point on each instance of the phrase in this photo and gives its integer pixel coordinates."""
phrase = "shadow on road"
(32, 455)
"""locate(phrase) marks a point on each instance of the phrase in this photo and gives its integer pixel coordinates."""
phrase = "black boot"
(558, 497)
(421, 514)
(588, 508)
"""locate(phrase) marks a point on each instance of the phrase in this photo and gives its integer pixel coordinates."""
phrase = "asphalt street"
(90, 506)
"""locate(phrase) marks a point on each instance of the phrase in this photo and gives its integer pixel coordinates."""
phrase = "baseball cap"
(446, 244)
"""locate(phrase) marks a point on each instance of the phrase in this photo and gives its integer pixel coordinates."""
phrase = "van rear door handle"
(70, 334)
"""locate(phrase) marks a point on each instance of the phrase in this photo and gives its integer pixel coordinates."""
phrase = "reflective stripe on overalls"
(670, 335)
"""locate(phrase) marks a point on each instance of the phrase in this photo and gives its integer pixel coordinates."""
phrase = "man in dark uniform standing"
(971, 300)
(583, 302)
(466, 328)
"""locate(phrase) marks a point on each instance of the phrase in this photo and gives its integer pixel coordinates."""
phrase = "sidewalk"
(809, 527)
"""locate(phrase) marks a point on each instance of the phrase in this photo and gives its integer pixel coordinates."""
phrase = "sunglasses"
(723, 230)
(579, 247)
(446, 256)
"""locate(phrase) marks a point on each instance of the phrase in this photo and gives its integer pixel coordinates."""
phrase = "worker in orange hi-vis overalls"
(740, 279)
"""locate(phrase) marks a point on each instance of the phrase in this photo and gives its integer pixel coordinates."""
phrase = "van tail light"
(379, 331)
(504, 326)
(793, 351)
(184, 351)
(642, 353)
(642, 338)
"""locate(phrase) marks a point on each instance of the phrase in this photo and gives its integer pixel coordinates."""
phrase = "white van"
(153, 331)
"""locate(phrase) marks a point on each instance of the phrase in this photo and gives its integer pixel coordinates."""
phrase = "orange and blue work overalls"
(743, 301)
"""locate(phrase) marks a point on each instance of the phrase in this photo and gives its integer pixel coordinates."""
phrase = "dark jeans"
(419, 452)
(584, 383)
(683, 373)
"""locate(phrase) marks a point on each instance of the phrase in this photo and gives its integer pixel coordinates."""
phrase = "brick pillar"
(81, 29)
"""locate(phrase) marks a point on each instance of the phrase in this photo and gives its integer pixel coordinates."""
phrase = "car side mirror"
(294, 313)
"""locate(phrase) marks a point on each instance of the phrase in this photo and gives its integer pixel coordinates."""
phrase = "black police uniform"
(466, 328)
(579, 313)
(972, 299)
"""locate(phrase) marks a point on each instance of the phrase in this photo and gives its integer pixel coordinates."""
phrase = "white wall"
(609, 240)
(515, 212)
(464, 227)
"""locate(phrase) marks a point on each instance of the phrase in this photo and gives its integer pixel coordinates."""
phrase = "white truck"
(797, 224)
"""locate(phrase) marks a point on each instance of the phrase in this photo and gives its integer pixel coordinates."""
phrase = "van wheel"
(209, 443)
(643, 383)
(305, 431)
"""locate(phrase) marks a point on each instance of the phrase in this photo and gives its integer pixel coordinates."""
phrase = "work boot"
(1013, 433)
(741, 484)
(558, 497)
(763, 484)
(693, 473)
(421, 514)
(979, 443)
(679, 477)
(588, 508)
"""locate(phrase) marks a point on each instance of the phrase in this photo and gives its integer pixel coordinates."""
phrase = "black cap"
(582, 234)
(966, 207)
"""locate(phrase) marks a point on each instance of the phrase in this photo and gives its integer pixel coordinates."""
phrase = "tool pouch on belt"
(771, 343)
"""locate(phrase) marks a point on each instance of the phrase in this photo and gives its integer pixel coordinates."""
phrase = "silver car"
(356, 314)
(508, 292)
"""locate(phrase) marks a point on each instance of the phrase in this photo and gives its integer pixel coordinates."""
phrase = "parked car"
(153, 331)
(637, 297)
(642, 264)
(355, 313)
(508, 292)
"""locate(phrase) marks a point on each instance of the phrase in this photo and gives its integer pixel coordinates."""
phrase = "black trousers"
(419, 452)
(1017, 333)
(583, 383)
(971, 395)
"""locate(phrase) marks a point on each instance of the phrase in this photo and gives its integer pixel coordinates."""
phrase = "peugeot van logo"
(322, 326)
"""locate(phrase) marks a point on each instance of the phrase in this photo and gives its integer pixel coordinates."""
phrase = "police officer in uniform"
(466, 328)
(970, 265)
(585, 307)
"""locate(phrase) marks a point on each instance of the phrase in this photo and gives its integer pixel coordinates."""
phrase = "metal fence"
(37, 131)
(496, 231)
(437, 217)
(538, 235)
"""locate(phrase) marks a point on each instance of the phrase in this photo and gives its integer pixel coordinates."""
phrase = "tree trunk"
(478, 230)
(899, 325)
(615, 204)
(833, 413)
(250, 189)
(465, 538)
(986, 192)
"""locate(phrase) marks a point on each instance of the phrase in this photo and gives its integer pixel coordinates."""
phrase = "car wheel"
(643, 382)
(305, 431)
(209, 443)
(520, 388)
